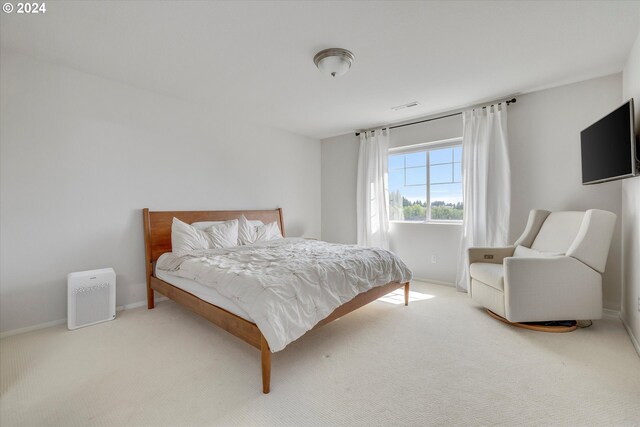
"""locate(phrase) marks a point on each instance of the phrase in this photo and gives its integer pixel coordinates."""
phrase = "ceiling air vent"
(408, 105)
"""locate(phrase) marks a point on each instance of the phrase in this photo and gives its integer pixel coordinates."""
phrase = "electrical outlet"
(434, 259)
(638, 304)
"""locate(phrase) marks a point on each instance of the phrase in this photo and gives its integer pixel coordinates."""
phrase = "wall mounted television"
(608, 146)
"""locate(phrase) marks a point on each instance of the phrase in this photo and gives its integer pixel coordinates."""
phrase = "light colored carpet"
(440, 361)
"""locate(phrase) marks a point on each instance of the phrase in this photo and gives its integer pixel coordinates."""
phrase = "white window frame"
(428, 146)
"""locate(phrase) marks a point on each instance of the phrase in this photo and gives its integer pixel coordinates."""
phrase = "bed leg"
(266, 365)
(150, 298)
(406, 293)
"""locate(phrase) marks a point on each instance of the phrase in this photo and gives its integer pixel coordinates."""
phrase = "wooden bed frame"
(157, 239)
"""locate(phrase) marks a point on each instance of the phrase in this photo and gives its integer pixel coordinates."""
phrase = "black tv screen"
(608, 147)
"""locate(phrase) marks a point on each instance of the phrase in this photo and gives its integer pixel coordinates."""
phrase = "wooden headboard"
(157, 227)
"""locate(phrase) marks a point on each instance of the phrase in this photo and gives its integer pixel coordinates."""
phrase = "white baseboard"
(138, 304)
(634, 340)
(611, 314)
(435, 282)
(63, 321)
(32, 328)
(608, 313)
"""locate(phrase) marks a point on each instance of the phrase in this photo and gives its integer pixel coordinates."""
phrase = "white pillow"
(224, 234)
(203, 225)
(269, 231)
(185, 238)
(524, 252)
(246, 232)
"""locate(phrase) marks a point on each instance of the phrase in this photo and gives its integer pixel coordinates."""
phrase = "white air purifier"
(91, 297)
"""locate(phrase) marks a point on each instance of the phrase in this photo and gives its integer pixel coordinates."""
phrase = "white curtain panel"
(372, 196)
(486, 180)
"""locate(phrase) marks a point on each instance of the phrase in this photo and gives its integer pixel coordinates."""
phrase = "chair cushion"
(558, 232)
(524, 252)
(488, 297)
(488, 273)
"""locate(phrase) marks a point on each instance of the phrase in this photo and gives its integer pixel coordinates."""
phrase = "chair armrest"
(491, 255)
(591, 245)
(551, 288)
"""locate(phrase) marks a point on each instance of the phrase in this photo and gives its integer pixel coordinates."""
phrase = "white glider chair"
(553, 272)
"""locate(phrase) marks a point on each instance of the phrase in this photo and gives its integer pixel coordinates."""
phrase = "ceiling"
(256, 58)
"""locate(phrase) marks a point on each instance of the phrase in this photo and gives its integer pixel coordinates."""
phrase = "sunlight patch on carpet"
(397, 297)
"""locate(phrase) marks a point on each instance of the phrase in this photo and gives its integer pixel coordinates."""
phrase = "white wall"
(81, 156)
(414, 243)
(544, 144)
(339, 177)
(544, 137)
(631, 209)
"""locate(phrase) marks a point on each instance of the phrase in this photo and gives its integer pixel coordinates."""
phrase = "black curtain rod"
(512, 100)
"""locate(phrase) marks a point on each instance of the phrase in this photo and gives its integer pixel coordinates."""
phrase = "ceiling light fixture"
(334, 61)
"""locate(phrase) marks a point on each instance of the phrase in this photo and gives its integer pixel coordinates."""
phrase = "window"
(425, 183)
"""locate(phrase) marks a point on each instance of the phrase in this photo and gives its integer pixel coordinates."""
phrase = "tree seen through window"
(426, 185)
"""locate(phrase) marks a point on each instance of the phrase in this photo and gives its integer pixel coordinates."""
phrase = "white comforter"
(288, 285)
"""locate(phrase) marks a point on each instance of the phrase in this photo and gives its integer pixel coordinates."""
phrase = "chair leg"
(150, 298)
(266, 365)
(406, 293)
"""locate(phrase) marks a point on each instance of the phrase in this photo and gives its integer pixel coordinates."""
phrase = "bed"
(208, 303)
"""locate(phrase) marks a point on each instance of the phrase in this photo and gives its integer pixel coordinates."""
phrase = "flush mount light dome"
(334, 61)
